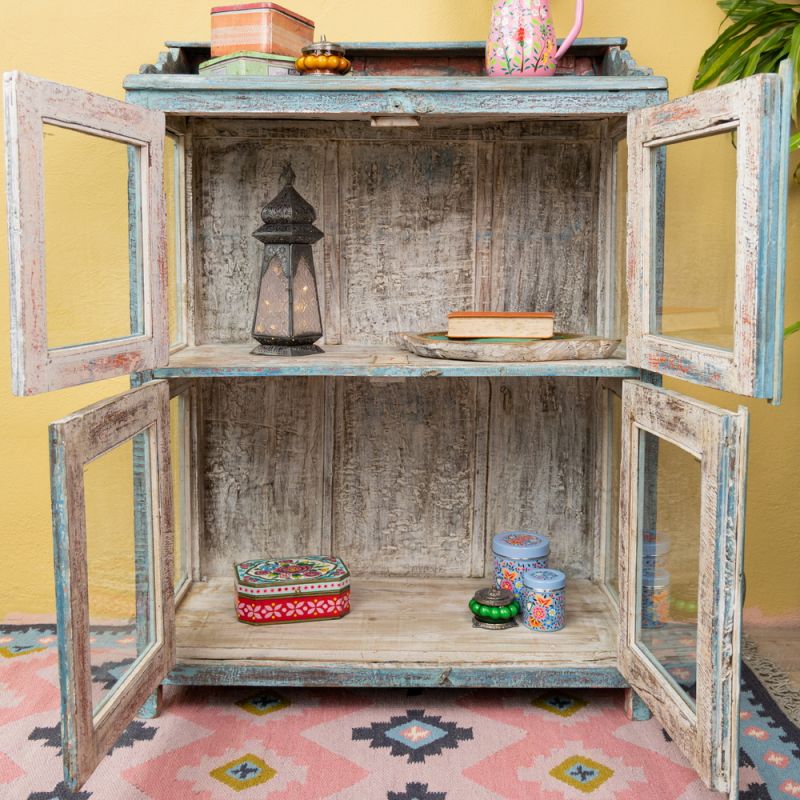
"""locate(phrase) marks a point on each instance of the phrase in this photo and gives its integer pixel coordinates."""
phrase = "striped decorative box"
(271, 591)
(260, 27)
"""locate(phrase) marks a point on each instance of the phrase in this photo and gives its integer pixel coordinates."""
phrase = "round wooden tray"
(562, 347)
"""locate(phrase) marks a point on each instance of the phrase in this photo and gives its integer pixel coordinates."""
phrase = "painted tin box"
(544, 605)
(249, 63)
(515, 553)
(270, 591)
(259, 27)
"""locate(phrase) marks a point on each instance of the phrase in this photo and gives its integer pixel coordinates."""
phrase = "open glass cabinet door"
(724, 331)
(113, 653)
(48, 118)
(681, 542)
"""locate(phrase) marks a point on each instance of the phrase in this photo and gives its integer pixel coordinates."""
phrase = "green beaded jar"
(494, 609)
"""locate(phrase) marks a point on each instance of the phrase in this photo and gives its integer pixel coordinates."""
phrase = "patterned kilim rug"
(298, 744)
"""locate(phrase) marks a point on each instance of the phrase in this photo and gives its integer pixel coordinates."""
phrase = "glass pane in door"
(694, 257)
(669, 557)
(179, 461)
(119, 557)
(92, 241)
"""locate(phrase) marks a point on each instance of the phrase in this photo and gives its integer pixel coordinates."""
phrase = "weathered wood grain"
(375, 361)
(708, 733)
(234, 180)
(263, 481)
(74, 441)
(29, 102)
(332, 96)
(408, 239)
(754, 108)
(580, 348)
(397, 624)
(404, 462)
(540, 466)
(544, 252)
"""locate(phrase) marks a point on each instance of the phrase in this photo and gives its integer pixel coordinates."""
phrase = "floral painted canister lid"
(542, 580)
(520, 544)
(287, 576)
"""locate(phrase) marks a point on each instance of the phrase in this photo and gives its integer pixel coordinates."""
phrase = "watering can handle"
(573, 34)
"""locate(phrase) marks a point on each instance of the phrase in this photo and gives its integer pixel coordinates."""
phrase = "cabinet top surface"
(597, 77)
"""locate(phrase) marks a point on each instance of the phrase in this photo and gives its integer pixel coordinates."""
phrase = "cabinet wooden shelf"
(400, 632)
(370, 361)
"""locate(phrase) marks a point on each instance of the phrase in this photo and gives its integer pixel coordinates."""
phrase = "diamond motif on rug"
(61, 792)
(565, 705)
(19, 650)
(582, 773)
(414, 735)
(244, 772)
(264, 703)
(416, 791)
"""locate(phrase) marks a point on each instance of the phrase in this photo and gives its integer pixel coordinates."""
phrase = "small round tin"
(544, 604)
(655, 598)
(515, 553)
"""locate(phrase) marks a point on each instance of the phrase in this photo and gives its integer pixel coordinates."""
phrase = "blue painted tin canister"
(655, 552)
(543, 607)
(515, 553)
(655, 598)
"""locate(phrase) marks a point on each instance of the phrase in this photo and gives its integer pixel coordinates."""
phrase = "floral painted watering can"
(522, 40)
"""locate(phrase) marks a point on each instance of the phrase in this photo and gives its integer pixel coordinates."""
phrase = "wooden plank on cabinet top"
(236, 360)
(402, 622)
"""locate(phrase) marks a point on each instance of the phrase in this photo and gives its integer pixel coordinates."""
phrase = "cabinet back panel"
(541, 467)
(417, 222)
(263, 469)
(398, 477)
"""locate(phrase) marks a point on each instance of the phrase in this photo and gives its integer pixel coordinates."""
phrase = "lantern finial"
(288, 176)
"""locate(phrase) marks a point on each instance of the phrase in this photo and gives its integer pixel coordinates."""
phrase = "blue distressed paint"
(68, 670)
(380, 95)
(611, 368)
(637, 708)
(780, 164)
(224, 674)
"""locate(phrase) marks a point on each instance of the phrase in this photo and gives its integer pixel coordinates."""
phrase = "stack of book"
(500, 325)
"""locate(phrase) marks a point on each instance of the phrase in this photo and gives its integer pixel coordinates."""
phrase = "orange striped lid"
(269, 6)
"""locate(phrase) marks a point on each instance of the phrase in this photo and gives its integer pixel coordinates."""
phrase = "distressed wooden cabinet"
(501, 197)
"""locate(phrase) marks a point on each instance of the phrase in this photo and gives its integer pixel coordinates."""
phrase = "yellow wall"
(94, 43)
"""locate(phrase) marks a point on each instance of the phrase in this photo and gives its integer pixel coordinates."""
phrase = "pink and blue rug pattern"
(339, 744)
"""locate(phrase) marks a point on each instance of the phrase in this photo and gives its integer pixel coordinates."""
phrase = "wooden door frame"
(708, 736)
(74, 442)
(756, 109)
(31, 103)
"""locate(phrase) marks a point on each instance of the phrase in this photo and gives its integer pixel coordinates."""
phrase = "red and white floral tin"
(270, 591)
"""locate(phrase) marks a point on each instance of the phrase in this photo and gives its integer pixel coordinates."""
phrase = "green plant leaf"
(790, 329)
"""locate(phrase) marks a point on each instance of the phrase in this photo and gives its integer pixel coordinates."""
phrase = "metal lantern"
(287, 321)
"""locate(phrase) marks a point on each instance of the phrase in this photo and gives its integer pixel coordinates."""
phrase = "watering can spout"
(573, 34)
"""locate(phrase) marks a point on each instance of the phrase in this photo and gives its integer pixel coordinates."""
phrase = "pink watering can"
(522, 40)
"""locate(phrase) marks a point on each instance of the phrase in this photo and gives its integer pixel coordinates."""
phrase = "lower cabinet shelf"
(400, 632)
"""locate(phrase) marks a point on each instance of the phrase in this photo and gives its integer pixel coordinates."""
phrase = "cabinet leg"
(152, 707)
(635, 707)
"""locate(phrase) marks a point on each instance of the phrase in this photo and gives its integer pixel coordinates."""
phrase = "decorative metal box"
(261, 27)
(249, 63)
(544, 604)
(291, 589)
(516, 552)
